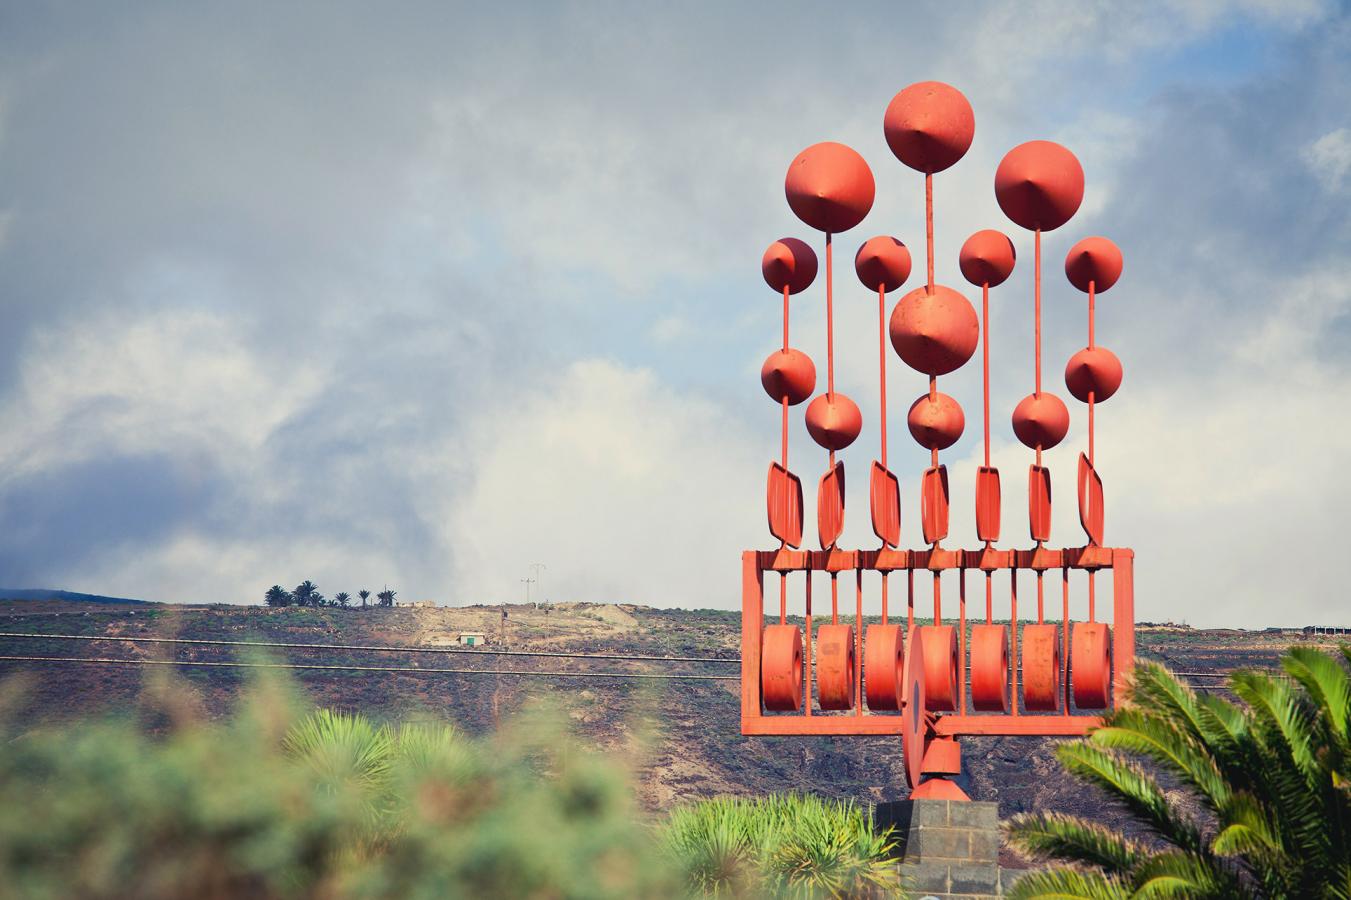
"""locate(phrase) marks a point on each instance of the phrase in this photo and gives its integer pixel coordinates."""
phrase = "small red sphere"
(929, 126)
(936, 423)
(1093, 369)
(1094, 259)
(830, 187)
(882, 263)
(834, 421)
(1039, 184)
(789, 262)
(1041, 420)
(934, 333)
(788, 373)
(987, 257)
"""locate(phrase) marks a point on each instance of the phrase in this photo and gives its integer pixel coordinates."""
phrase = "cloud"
(1329, 158)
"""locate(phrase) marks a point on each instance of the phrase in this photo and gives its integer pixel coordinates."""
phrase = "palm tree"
(277, 596)
(386, 597)
(305, 592)
(363, 594)
(342, 598)
(1270, 775)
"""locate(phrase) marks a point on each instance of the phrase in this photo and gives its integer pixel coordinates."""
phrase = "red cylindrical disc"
(836, 669)
(1041, 668)
(1095, 369)
(834, 421)
(781, 668)
(940, 666)
(934, 333)
(883, 666)
(987, 257)
(1041, 420)
(830, 187)
(990, 668)
(1096, 260)
(790, 262)
(936, 423)
(882, 263)
(788, 373)
(1039, 184)
(929, 126)
(1091, 664)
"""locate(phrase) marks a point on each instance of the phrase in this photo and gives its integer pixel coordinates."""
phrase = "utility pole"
(527, 582)
(536, 567)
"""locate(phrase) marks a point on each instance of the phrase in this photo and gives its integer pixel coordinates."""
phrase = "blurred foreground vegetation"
(282, 801)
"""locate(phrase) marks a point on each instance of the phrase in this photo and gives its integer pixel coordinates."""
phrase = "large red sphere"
(882, 263)
(789, 263)
(1093, 369)
(987, 257)
(936, 423)
(1094, 259)
(1039, 184)
(834, 421)
(934, 333)
(929, 126)
(830, 187)
(1041, 420)
(788, 373)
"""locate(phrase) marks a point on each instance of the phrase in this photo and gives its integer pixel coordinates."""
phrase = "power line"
(405, 669)
(361, 647)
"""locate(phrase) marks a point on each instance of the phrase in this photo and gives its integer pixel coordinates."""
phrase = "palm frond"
(1178, 874)
(1044, 836)
(1130, 784)
(1068, 884)
(1177, 750)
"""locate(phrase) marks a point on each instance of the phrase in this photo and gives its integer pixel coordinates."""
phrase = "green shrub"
(781, 845)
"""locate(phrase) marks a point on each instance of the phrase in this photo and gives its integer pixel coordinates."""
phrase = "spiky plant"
(1270, 774)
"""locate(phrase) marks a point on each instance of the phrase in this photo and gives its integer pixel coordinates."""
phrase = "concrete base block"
(947, 849)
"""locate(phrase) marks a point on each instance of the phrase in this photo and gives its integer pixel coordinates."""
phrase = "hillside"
(681, 736)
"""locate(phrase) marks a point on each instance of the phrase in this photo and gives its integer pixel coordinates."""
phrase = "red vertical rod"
(834, 600)
(830, 323)
(1041, 600)
(886, 576)
(910, 598)
(985, 361)
(752, 622)
(989, 598)
(1065, 638)
(1092, 600)
(1123, 618)
(1013, 626)
(858, 646)
(1092, 305)
(783, 598)
(882, 364)
(961, 638)
(1037, 315)
(807, 644)
(938, 599)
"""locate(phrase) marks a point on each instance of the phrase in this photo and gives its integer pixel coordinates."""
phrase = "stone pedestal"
(948, 849)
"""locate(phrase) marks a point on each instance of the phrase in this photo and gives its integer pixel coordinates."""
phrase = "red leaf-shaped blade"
(934, 504)
(1090, 501)
(784, 494)
(830, 506)
(1039, 502)
(884, 496)
(987, 503)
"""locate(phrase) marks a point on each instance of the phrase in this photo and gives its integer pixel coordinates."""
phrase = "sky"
(418, 294)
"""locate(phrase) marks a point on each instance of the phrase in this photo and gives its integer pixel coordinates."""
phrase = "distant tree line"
(307, 594)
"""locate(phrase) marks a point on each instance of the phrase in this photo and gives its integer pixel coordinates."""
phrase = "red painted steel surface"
(990, 668)
(1021, 682)
(884, 495)
(781, 668)
(883, 667)
(933, 501)
(934, 332)
(1090, 664)
(941, 665)
(784, 492)
(987, 504)
(836, 667)
(929, 126)
(935, 421)
(789, 262)
(1039, 185)
(830, 506)
(830, 187)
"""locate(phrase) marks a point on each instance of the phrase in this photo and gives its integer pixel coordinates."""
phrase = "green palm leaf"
(1070, 838)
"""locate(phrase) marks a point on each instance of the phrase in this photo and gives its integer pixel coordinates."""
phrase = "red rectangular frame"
(755, 563)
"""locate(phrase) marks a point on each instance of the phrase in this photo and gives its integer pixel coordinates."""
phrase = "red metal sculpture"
(911, 679)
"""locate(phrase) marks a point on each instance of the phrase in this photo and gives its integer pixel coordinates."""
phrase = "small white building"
(473, 638)
(415, 604)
